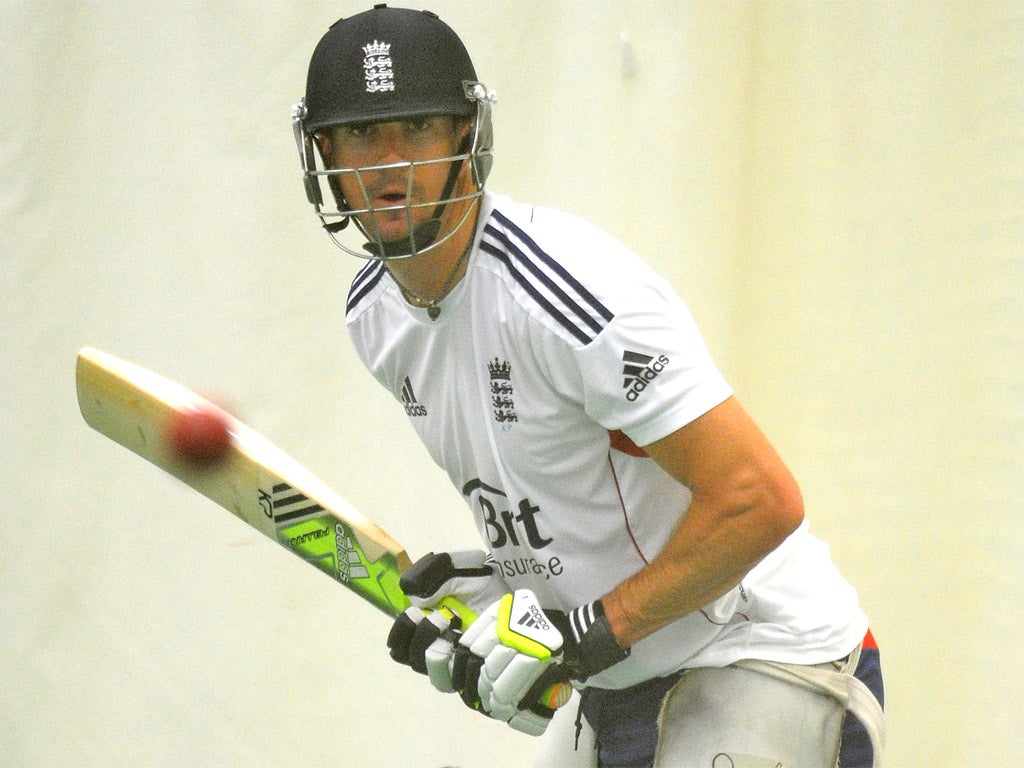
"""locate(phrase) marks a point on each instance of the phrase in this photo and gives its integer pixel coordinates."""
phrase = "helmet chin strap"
(423, 237)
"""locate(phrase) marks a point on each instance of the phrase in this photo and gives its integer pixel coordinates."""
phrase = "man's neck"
(429, 276)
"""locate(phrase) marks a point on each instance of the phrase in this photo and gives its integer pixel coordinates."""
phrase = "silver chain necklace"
(432, 305)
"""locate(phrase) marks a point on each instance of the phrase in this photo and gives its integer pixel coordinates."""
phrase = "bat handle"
(554, 696)
(453, 607)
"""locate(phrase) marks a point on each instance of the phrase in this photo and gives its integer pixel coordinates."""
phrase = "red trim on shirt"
(618, 440)
(625, 514)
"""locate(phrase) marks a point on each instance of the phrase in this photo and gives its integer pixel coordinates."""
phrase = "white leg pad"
(737, 717)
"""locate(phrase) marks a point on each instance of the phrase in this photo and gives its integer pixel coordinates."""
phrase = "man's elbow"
(786, 513)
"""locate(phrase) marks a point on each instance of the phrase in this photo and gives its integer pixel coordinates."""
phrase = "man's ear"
(464, 132)
(323, 141)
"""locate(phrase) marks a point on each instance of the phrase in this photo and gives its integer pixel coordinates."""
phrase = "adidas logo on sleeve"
(639, 370)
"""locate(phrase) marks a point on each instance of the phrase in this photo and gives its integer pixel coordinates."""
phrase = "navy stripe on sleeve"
(553, 287)
(363, 283)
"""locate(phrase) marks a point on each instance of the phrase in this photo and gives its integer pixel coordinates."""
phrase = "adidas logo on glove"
(536, 635)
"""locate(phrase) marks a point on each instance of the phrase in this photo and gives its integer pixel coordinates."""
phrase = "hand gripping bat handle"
(554, 696)
(429, 575)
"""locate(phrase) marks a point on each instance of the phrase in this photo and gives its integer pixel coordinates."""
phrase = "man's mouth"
(391, 198)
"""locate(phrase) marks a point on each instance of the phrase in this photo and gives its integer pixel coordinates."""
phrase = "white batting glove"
(507, 660)
(424, 639)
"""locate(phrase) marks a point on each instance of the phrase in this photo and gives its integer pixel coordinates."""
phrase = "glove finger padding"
(425, 641)
(438, 661)
(466, 668)
(400, 636)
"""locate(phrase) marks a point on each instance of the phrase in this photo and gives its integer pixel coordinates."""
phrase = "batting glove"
(425, 639)
(513, 662)
(506, 662)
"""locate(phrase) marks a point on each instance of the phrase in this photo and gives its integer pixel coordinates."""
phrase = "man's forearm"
(688, 575)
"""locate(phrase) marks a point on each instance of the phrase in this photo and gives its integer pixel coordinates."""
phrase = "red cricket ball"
(200, 436)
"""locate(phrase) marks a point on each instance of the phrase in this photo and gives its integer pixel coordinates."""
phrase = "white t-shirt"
(556, 337)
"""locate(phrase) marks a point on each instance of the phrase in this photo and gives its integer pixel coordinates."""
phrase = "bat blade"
(255, 481)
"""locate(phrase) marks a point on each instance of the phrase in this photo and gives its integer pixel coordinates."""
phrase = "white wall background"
(836, 188)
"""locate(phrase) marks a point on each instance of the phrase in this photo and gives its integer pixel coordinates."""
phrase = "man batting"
(643, 538)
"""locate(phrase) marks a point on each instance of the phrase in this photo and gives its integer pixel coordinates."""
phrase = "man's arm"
(745, 503)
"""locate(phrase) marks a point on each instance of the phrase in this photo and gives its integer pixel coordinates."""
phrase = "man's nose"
(391, 147)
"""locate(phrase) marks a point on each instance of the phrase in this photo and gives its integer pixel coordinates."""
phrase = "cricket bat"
(255, 481)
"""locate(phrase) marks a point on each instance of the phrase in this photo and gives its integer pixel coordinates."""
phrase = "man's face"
(413, 140)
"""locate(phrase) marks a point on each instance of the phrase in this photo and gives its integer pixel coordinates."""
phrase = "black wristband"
(592, 647)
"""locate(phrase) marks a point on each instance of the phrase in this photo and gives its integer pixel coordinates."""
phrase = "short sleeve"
(649, 372)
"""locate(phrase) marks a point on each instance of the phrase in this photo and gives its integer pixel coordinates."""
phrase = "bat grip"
(453, 607)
